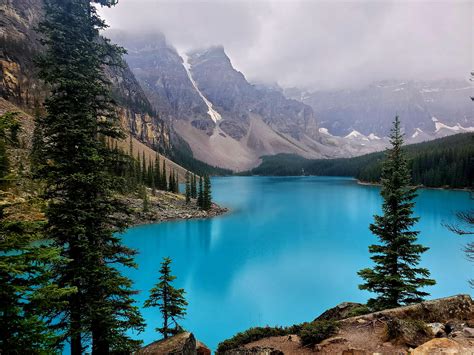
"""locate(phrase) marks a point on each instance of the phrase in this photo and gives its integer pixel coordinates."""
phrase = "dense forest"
(441, 162)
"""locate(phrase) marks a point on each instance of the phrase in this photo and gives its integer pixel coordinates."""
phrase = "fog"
(316, 44)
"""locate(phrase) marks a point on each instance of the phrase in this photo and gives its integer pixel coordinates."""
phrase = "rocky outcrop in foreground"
(180, 344)
(442, 326)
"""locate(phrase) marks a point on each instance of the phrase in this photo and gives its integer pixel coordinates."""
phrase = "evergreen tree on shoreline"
(169, 300)
(200, 197)
(164, 183)
(193, 186)
(188, 187)
(157, 173)
(396, 277)
(207, 194)
(80, 114)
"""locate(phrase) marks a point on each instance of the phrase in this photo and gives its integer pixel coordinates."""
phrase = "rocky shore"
(441, 326)
(166, 206)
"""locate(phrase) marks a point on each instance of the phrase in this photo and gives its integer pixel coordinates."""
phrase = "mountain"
(370, 109)
(225, 120)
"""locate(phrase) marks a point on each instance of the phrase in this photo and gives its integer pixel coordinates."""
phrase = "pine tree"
(138, 169)
(207, 195)
(163, 177)
(9, 127)
(79, 189)
(157, 173)
(150, 174)
(396, 277)
(144, 170)
(146, 202)
(188, 187)
(169, 300)
(28, 293)
(200, 198)
(176, 182)
(37, 146)
(193, 186)
(171, 181)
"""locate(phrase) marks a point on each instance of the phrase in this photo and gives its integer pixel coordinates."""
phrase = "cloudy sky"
(316, 44)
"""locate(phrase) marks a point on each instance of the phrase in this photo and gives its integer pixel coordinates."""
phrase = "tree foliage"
(169, 300)
(396, 278)
(441, 162)
(80, 118)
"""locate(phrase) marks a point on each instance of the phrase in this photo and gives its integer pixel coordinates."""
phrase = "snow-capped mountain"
(371, 109)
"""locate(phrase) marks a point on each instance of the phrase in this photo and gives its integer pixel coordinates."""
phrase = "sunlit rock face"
(20, 85)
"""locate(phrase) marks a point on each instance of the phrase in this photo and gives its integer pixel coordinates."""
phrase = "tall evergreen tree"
(200, 198)
(176, 182)
(207, 194)
(188, 187)
(138, 167)
(193, 186)
(396, 277)
(157, 173)
(9, 127)
(144, 169)
(79, 190)
(171, 181)
(169, 300)
(164, 181)
(29, 295)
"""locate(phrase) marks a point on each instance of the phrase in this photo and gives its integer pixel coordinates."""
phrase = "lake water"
(289, 249)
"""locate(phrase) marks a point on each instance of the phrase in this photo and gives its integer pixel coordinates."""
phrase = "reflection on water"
(289, 249)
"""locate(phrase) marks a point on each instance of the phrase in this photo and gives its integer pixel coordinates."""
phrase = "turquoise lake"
(289, 249)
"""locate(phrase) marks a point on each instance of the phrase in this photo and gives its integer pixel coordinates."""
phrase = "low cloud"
(316, 44)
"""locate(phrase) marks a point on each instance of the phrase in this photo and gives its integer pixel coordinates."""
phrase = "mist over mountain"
(229, 121)
(315, 45)
(371, 109)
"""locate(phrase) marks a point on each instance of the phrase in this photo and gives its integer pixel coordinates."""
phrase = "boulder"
(443, 310)
(439, 346)
(180, 344)
(438, 329)
(202, 349)
(468, 332)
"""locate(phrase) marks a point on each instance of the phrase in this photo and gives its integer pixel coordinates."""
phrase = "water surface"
(289, 249)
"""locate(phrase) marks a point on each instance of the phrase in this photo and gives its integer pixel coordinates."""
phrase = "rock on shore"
(441, 326)
(167, 206)
(180, 344)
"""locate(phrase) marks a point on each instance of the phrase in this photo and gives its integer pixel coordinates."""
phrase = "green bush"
(315, 332)
(252, 334)
(410, 332)
(359, 311)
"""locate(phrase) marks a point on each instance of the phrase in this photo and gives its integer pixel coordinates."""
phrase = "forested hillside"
(443, 162)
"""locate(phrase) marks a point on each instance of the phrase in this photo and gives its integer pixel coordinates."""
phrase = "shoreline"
(168, 207)
(465, 189)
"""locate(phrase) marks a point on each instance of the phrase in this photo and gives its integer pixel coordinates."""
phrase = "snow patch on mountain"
(372, 136)
(213, 114)
(323, 130)
(417, 132)
(356, 135)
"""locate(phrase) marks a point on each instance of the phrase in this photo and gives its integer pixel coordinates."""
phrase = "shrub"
(315, 332)
(410, 332)
(250, 335)
(359, 311)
